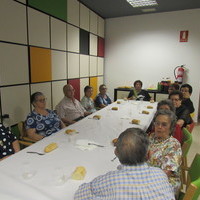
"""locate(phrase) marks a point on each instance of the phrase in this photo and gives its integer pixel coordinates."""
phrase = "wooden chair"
(187, 141)
(193, 191)
(193, 181)
(21, 135)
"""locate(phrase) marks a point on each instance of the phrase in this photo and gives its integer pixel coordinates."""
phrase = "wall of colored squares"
(44, 45)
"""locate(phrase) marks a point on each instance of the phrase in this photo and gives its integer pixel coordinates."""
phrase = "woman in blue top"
(102, 99)
(41, 122)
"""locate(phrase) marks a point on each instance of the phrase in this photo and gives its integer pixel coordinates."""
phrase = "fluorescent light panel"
(142, 3)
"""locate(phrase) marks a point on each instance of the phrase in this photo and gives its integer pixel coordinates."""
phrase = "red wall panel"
(76, 84)
(101, 46)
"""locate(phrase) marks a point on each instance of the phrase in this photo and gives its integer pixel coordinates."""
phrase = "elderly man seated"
(134, 179)
(69, 109)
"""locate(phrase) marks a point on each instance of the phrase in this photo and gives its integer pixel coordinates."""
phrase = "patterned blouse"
(44, 125)
(6, 140)
(166, 154)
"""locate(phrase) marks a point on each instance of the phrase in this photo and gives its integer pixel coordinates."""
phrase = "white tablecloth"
(64, 160)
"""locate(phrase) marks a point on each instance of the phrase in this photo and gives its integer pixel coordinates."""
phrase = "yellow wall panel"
(94, 84)
(40, 61)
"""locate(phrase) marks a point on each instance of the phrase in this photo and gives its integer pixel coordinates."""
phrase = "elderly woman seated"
(41, 122)
(186, 90)
(8, 143)
(102, 99)
(181, 111)
(164, 150)
(167, 105)
(138, 93)
(87, 102)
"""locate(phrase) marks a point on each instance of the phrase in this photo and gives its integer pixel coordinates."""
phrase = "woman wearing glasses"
(164, 149)
(182, 112)
(102, 99)
(41, 122)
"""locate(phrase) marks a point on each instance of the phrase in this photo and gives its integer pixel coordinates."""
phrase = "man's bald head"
(132, 146)
(68, 91)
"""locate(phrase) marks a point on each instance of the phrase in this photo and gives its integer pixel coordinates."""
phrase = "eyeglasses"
(162, 124)
(175, 99)
(42, 100)
(182, 90)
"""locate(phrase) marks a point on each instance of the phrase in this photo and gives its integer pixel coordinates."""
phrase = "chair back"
(194, 170)
(22, 129)
(15, 131)
(193, 191)
(187, 141)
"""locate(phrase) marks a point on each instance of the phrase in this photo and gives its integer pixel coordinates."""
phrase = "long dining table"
(30, 176)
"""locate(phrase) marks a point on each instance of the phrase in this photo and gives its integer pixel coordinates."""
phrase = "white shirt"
(69, 109)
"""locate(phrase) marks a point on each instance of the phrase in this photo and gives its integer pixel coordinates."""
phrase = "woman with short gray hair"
(41, 122)
(164, 150)
(166, 105)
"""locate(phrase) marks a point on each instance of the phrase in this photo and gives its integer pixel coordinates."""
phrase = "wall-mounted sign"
(184, 36)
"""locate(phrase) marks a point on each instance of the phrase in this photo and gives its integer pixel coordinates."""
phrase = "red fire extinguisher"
(178, 73)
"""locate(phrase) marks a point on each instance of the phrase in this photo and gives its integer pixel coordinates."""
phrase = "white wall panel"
(73, 65)
(15, 101)
(58, 34)
(84, 17)
(38, 25)
(100, 81)
(45, 88)
(93, 44)
(13, 64)
(59, 68)
(72, 38)
(57, 92)
(100, 66)
(13, 26)
(93, 65)
(83, 82)
(93, 22)
(73, 12)
(101, 27)
(84, 66)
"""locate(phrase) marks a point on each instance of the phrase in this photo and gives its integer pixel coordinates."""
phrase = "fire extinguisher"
(178, 73)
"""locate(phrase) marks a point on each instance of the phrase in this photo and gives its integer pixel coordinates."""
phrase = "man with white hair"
(70, 109)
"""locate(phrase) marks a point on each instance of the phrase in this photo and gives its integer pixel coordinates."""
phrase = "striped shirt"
(140, 182)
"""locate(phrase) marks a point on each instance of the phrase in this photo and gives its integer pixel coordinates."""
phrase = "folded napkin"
(83, 145)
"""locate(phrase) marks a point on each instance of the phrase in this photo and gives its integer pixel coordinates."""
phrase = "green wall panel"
(57, 8)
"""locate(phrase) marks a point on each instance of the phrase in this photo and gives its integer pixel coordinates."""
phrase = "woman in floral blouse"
(164, 150)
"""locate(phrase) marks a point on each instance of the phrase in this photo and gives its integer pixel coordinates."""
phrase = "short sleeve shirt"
(102, 100)
(44, 125)
(88, 104)
(69, 109)
(6, 140)
(166, 154)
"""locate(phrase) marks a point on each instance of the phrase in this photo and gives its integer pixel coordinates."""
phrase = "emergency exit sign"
(184, 36)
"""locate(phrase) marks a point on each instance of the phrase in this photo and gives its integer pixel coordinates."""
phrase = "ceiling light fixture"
(142, 3)
(148, 10)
